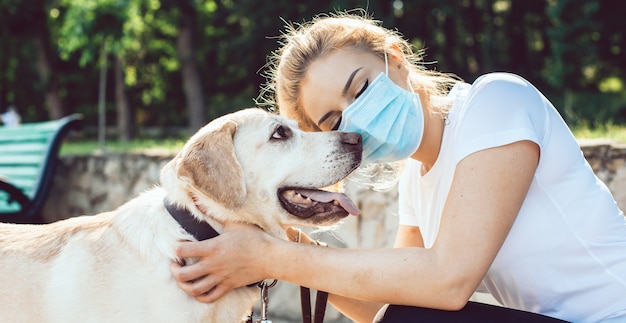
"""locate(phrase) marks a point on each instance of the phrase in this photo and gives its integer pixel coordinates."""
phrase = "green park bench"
(28, 158)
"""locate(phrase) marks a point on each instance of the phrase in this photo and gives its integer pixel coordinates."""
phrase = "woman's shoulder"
(500, 108)
(501, 79)
(500, 87)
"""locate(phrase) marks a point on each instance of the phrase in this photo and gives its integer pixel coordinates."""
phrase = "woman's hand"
(225, 262)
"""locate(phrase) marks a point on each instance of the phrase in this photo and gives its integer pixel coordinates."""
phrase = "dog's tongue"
(325, 197)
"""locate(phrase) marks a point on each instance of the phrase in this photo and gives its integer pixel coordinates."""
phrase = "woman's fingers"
(214, 294)
(224, 262)
(193, 249)
(187, 274)
(205, 288)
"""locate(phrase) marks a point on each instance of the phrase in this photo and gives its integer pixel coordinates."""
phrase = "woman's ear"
(397, 59)
(396, 55)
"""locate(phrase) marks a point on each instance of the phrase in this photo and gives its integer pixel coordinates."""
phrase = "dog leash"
(321, 297)
(320, 305)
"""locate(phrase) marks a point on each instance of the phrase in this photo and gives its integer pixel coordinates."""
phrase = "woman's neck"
(428, 151)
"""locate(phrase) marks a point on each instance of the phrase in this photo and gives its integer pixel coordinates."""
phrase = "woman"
(495, 195)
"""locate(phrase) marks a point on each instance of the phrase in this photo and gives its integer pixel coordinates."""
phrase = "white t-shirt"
(565, 255)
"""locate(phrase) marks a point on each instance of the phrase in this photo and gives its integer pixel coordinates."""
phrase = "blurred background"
(163, 68)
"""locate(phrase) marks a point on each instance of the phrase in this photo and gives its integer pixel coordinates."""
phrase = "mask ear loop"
(386, 65)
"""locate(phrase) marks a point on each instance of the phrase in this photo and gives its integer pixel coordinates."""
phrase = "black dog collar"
(200, 230)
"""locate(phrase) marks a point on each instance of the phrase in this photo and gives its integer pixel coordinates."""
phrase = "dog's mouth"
(305, 203)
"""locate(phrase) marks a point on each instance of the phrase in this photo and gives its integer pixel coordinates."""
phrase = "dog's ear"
(213, 166)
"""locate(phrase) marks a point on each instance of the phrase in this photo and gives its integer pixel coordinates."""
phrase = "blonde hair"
(301, 44)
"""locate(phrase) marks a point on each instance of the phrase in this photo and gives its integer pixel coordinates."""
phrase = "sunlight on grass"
(607, 131)
(157, 146)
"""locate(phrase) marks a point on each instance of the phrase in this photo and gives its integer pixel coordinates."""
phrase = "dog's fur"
(114, 266)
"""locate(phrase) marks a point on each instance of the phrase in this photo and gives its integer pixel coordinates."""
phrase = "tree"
(27, 21)
(192, 84)
(180, 63)
(570, 47)
(95, 28)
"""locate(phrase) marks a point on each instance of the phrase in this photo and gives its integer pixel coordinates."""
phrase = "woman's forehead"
(325, 83)
(333, 70)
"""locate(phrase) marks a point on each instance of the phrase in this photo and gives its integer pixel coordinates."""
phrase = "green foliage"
(572, 49)
(571, 39)
(88, 25)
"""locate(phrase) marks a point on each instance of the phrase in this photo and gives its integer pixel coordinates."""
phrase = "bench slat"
(11, 171)
(50, 126)
(21, 173)
(22, 147)
(30, 135)
(33, 135)
(40, 131)
(21, 160)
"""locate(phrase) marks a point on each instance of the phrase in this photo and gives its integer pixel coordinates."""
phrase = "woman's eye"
(367, 82)
(337, 123)
(280, 133)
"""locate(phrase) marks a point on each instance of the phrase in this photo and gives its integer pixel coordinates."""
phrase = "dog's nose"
(350, 138)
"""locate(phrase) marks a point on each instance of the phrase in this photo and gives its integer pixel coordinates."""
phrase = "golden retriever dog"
(248, 166)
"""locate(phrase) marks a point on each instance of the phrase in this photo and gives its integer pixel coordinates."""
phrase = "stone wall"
(97, 183)
(102, 182)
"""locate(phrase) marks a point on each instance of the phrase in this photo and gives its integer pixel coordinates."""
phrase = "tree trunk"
(5, 53)
(46, 57)
(48, 78)
(518, 44)
(451, 45)
(124, 115)
(486, 44)
(474, 27)
(189, 68)
(102, 89)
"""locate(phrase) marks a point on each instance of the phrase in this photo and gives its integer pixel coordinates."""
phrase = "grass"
(607, 131)
(172, 145)
(88, 147)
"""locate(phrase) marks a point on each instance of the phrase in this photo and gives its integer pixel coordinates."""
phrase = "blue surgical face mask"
(389, 119)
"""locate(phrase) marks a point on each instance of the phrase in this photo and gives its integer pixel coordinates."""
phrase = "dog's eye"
(281, 133)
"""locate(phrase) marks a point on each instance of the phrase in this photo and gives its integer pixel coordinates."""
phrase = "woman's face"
(334, 81)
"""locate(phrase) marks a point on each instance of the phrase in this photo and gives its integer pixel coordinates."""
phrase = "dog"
(249, 166)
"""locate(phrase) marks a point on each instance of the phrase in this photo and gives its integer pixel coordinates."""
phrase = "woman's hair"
(301, 44)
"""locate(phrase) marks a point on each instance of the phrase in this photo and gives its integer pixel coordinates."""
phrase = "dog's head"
(257, 167)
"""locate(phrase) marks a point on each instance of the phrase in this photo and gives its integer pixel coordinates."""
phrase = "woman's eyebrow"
(349, 82)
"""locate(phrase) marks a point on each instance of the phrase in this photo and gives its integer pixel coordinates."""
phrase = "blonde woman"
(495, 195)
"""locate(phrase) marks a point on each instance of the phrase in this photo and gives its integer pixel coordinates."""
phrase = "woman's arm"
(487, 192)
